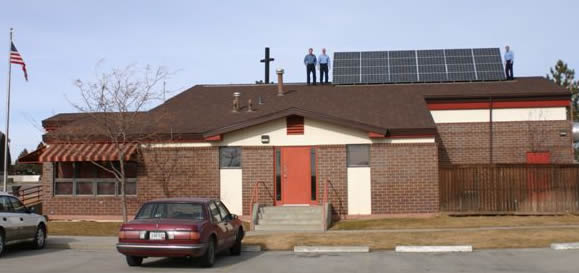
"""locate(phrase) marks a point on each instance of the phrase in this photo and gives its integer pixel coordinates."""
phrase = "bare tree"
(161, 163)
(115, 104)
(537, 134)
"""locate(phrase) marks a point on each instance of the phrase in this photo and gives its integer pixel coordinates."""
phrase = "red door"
(296, 175)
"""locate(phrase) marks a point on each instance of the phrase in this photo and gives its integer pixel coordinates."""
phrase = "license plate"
(157, 236)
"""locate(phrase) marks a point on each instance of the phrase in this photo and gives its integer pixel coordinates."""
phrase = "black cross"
(267, 60)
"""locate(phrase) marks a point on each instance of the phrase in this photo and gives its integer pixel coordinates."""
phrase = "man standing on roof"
(324, 61)
(509, 59)
(310, 61)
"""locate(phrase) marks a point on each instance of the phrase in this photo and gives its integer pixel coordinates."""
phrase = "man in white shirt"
(324, 62)
(509, 59)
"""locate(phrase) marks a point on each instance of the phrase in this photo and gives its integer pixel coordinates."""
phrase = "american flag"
(15, 58)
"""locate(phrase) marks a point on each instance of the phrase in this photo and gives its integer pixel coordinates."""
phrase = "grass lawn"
(455, 222)
(83, 228)
(389, 240)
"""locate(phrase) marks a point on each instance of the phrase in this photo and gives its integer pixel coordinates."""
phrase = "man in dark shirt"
(310, 62)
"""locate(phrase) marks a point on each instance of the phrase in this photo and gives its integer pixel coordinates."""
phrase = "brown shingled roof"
(206, 110)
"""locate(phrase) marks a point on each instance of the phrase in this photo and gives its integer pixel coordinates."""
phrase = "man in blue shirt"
(324, 61)
(509, 59)
(310, 62)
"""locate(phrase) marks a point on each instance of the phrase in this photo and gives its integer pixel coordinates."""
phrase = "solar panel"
(409, 66)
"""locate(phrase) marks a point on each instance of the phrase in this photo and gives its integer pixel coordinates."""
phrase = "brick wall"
(195, 174)
(332, 165)
(468, 143)
(257, 163)
(404, 178)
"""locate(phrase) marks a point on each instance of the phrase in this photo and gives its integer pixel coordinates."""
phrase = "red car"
(181, 227)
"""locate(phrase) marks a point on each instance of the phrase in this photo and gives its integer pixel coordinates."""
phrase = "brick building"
(380, 146)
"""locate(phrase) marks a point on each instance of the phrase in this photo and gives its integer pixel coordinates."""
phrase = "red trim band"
(214, 138)
(377, 135)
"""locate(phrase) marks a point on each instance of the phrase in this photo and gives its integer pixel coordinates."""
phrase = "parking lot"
(19, 259)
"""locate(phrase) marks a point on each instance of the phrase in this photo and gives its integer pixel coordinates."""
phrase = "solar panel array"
(408, 66)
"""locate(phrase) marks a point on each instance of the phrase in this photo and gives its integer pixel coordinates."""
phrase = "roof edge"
(300, 112)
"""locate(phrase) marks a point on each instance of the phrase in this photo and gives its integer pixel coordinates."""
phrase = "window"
(230, 157)
(171, 211)
(223, 210)
(358, 155)
(215, 213)
(17, 205)
(85, 178)
(5, 204)
(278, 175)
(313, 174)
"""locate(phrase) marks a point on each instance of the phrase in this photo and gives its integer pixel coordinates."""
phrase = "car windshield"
(171, 211)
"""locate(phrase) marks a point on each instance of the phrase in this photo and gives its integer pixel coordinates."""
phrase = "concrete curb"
(81, 246)
(331, 249)
(565, 246)
(424, 249)
(250, 248)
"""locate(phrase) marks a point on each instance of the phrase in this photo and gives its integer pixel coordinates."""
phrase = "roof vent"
(279, 72)
(250, 106)
(295, 125)
(236, 96)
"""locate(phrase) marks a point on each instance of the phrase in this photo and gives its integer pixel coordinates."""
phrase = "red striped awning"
(86, 152)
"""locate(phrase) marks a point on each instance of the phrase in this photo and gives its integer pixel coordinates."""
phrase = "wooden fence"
(496, 189)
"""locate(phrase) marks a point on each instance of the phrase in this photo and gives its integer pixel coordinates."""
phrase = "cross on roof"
(267, 60)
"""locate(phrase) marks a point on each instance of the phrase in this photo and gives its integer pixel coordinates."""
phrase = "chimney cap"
(279, 71)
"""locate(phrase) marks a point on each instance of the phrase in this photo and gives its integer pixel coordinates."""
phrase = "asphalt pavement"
(20, 259)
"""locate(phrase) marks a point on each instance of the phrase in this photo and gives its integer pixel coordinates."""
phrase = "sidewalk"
(81, 242)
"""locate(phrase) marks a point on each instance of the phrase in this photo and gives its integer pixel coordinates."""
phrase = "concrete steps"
(286, 218)
(288, 228)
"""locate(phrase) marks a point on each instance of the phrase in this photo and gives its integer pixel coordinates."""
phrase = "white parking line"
(463, 248)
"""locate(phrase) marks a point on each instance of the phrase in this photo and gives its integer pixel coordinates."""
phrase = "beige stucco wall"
(231, 189)
(315, 133)
(499, 115)
(359, 191)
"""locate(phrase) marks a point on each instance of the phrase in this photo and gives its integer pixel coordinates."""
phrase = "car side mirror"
(233, 216)
(32, 210)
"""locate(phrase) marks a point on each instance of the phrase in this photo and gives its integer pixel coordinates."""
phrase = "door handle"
(21, 219)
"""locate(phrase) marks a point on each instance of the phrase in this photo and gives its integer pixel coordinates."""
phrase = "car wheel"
(235, 250)
(208, 259)
(39, 238)
(2, 245)
(134, 260)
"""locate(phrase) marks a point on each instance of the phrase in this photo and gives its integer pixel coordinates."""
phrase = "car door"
(8, 220)
(227, 220)
(220, 225)
(26, 220)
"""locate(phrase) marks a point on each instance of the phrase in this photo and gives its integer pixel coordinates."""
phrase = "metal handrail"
(324, 202)
(254, 197)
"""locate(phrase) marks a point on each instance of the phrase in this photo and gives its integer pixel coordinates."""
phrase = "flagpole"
(7, 115)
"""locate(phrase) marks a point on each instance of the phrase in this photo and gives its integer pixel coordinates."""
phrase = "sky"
(221, 42)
